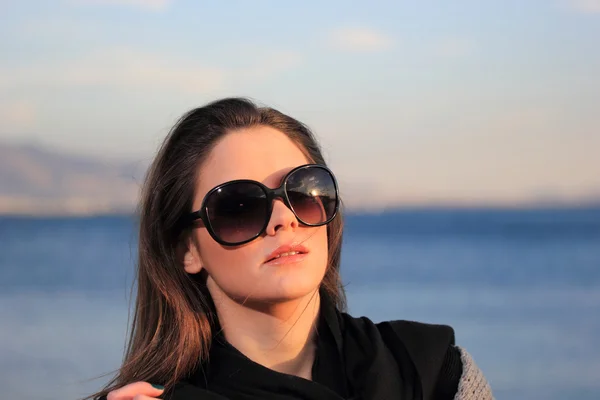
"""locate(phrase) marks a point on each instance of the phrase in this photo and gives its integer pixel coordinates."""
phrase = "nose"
(281, 218)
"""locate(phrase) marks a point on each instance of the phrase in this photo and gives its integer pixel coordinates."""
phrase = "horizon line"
(595, 205)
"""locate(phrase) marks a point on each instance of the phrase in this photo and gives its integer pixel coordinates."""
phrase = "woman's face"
(265, 155)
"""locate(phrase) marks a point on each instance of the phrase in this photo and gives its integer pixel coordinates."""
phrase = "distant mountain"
(38, 181)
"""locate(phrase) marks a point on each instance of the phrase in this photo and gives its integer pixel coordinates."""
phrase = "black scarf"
(356, 359)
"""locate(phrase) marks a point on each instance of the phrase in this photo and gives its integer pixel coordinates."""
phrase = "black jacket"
(356, 359)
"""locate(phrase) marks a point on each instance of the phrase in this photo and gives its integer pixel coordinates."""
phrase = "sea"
(521, 288)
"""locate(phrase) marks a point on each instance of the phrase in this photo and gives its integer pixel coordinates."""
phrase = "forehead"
(260, 153)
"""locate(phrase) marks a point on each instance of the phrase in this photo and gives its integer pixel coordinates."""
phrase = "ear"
(192, 263)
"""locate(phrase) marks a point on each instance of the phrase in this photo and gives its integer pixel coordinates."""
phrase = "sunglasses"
(239, 211)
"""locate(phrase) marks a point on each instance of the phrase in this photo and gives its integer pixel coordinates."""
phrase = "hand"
(136, 391)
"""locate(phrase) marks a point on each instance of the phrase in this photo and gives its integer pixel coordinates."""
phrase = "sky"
(467, 102)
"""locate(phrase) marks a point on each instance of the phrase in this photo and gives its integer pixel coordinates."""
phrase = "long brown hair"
(171, 328)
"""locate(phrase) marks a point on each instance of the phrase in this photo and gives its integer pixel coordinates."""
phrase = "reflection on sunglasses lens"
(312, 194)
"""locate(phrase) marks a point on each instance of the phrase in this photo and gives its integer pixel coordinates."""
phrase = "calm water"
(521, 289)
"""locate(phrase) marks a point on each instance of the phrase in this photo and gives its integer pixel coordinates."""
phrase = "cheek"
(216, 257)
(231, 268)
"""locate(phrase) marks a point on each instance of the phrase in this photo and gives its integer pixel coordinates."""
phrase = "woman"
(239, 292)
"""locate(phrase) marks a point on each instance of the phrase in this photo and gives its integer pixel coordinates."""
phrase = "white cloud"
(454, 47)
(154, 5)
(117, 68)
(586, 6)
(121, 68)
(359, 40)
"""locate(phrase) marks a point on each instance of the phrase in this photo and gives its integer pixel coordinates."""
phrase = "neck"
(279, 336)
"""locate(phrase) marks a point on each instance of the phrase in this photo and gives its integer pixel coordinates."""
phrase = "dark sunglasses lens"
(237, 212)
(312, 195)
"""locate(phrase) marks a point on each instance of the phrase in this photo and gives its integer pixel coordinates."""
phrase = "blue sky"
(464, 101)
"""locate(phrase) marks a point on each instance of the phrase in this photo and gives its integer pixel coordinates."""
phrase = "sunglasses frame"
(271, 195)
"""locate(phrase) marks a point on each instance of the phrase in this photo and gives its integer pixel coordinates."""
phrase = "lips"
(286, 251)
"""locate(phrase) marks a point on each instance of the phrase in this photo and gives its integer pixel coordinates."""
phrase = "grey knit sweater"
(472, 384)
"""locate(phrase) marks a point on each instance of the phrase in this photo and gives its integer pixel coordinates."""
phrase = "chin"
(290, 287)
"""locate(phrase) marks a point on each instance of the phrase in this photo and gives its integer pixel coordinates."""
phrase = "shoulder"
(432, 350)
(420, 338)
(446, 371)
